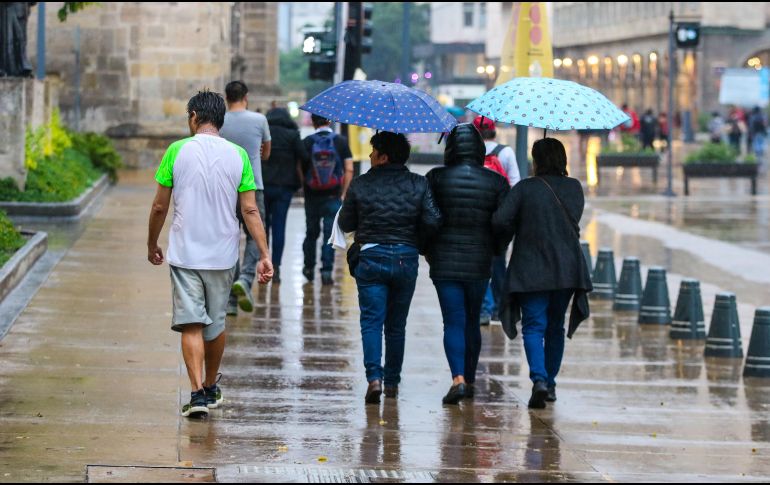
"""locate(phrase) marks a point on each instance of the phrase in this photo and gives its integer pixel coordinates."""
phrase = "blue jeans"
(542, 314)
(277, 203)
(759, 146)
(386, 276)
(247, 270)
(318, 210)
(461, 307)
(495, 288)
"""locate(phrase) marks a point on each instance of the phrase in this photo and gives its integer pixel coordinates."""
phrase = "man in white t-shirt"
(507, 159)
(206, 175)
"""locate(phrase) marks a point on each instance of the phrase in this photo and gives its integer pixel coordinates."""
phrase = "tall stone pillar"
(13, 124)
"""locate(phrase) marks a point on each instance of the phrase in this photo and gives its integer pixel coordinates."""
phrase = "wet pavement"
(92, 375)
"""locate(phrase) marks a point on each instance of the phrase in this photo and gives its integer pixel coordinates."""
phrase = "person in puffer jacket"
(460, 256)
(392, 211)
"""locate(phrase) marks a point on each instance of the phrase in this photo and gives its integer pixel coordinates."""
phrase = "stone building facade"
(621, 48)
(140, 62)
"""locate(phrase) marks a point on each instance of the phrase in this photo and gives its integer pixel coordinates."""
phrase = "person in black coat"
(460, 256)
(547, 267)
(392, 212)
(281, 176)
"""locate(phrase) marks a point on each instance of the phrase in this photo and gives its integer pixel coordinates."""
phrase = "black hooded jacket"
(280, 170)
(467, 194)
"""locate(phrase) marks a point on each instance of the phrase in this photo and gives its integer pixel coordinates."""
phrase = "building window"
(483, 15)
(468, 14)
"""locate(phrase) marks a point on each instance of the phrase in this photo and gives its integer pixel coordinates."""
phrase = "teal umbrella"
(455, 111)
(551, 104)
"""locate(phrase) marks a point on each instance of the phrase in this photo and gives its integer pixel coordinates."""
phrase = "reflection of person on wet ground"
(460, 257)
(206, 175)
(547, 265)
(390, 209)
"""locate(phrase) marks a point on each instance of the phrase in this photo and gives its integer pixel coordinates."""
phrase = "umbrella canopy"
(552, 104)
(382, 106)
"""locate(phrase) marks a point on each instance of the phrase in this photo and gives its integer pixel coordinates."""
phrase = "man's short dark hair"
(236, 91)
(319, 121)
(488, 134)
(395, 146)
(549, 157)
(209, 106)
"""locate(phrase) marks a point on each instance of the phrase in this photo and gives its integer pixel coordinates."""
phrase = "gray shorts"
(200, 296)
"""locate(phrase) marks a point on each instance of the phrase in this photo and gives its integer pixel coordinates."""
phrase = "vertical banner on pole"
(527, 52)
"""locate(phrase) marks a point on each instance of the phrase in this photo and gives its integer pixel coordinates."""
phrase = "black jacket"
(280, 170)
(467, 195)
(546, 248)
(390, 205)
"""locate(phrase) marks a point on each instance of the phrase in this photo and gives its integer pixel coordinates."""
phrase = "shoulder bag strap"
(571, 221)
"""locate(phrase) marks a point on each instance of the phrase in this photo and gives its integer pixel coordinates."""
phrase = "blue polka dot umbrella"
(382, 106)
(551, 104)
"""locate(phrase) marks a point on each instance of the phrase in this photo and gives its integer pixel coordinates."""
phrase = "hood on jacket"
(281, 117)
(464, 145)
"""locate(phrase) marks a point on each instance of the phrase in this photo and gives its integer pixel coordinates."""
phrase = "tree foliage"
(384, 62)
(70, 8)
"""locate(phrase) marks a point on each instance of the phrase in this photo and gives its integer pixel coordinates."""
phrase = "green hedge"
(718, 153)
(10, 239)
(58, 178)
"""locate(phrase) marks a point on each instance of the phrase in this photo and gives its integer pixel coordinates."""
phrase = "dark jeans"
(461, 307)
(318, 210)
(386, 276)
(277, 202)
(495, 288)
(542, 315)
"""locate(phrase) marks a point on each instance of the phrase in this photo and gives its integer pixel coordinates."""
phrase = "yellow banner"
(527, 51)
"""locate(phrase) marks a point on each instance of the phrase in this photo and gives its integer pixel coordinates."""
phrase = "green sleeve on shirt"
(247, 177)
(165, 174)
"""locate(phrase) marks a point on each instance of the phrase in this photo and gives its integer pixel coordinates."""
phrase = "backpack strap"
(499, 148)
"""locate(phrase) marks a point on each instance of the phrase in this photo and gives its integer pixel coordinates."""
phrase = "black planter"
(642, 160)
(720, 170)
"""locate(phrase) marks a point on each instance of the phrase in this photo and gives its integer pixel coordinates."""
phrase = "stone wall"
(141, 62)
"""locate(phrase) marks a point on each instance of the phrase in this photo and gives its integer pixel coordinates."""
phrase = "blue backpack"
(326, 169)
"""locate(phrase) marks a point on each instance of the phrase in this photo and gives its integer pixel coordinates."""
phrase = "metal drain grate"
(148, 474)
(333, 475)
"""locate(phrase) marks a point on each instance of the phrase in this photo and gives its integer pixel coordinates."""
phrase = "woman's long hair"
(549, 157)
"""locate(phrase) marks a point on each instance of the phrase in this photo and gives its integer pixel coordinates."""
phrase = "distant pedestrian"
(327, 173)
(207, 176)
(547, 266)
(460, 256)
(648, 130)
(393, 213)
(717, 128)
(504, 157)
(736, 128)
(631, 126)
(758, 132)
(282, 179)
(250, 131)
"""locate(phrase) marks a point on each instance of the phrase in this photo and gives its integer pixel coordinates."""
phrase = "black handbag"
(354, 255)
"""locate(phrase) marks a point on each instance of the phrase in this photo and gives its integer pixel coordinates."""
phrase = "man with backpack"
(327, 175)
(501, 159)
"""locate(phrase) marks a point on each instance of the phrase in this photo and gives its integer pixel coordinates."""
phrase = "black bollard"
(629, 293)
(689, 322)
(758, 360)
(724, 338)
(656, 305)
(604, 278)
(586, 247)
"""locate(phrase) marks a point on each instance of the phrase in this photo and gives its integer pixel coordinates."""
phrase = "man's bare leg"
(214, 351)
(193, 353)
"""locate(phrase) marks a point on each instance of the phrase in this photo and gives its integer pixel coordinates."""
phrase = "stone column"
(13, 124)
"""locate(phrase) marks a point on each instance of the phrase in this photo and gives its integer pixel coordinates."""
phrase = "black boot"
(539, 395)
(551, 394)
(455, 394)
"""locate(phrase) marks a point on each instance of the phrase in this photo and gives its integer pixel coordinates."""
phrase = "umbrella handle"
(545, 133)
(441, 138)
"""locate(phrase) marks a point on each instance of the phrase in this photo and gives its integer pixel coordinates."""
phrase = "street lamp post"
(671, 79)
